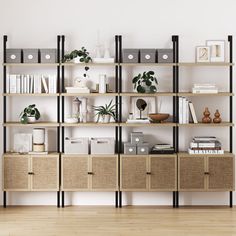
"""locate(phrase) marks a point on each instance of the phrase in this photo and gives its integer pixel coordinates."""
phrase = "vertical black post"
(120, 110)
(62, 90)
(230, 199)
(58, 199)
(4, 199)
(4, 91)
(58, 91)
(177, 199)
(174, 199)
(62, 199)
(230, 39)
(116, 199)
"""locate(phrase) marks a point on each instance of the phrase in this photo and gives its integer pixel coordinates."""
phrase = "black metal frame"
(5, 108)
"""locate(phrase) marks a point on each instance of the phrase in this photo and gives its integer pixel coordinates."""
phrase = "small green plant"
(30, 111)
(146, 82)
(83, 54)
(102, 111)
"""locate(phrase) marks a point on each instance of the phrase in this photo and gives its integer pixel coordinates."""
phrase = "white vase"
(102, 83)
(31, 119)
(106, 118)
(38, 136)
(76, 60)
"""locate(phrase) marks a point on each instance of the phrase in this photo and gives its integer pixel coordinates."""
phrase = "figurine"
(217, 118)
(206, 118)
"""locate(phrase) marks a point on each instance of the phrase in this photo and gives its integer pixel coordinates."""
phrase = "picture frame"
(151, 106)
(217, 50)
(203, 54)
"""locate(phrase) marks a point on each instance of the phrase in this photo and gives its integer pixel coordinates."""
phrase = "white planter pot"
(31, 119)
(38, 136)
(105, 119)
(76, 60)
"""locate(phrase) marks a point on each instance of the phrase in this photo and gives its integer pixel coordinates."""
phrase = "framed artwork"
(202, 54)
(149, 108)
(217, 50)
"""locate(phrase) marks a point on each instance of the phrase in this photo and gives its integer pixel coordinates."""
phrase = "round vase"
(31, 119)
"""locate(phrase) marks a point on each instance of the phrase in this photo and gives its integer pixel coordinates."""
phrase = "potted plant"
(79, 56)
(146, 82)
(105, 112)
(30, 114)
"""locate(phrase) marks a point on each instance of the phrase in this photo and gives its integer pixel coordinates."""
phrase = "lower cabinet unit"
(148, 173)
(89, 172)
(30, 172)
(206, 172)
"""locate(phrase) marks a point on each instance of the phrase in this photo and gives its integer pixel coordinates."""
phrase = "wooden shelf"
(205, 64)
(186, 154)
(134, 94)
(89, 94)
(31, 94)
(90, 124)
(222, 124)
(148, 64)
(189, 94)
(50, 154)
(164, 124)
(31, 64)
(88, 64)
(37, 124)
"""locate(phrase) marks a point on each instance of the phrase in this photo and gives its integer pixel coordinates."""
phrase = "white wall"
(143, 24)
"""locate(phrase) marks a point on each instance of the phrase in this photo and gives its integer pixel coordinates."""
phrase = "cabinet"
(89, 172)
(148, 173)
(206, 173)
(30, 173)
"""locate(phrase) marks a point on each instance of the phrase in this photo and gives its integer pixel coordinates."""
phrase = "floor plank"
(104, 221)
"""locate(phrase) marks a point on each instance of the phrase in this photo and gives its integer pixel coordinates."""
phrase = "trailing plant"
(101, 111)
(30, 111)
(83, 55)
(146, 82)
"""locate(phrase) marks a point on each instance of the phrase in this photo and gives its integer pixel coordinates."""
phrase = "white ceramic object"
(31, 119)
(77, 60)
(38, 136)
(102, 83)
(105, 119)
(71, 120)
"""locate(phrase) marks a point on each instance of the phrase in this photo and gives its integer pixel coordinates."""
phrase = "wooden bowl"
(158, 117)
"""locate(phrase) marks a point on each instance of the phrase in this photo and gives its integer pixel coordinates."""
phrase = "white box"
(76, 146)
(102, 146)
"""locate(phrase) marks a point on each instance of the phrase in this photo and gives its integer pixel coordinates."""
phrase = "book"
(146, 121)
(8, 84)
(190, 151)
(31, 84)
(204, 138)
(44, 82)
(18, 84)
(205, 144)
(193, 113)
(12, 83)
(181, 110)
(187, 111)
(162, 146)
(184, 111)
(201, 90)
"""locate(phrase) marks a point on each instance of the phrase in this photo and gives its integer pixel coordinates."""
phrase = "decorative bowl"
(158, 117)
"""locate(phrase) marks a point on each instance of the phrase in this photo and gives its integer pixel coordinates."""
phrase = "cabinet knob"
(30, 173)
(206, 173)
(90, 173)
(148, 173)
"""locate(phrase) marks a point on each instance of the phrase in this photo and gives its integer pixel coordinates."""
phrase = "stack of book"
(204, 88)
(186, 111)
(162, 148)
(31, 83)
(205, 145)
(138, 121)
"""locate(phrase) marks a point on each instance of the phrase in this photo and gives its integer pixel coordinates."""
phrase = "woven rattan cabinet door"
(221, 173)
(16, 173)
(75, 173)
(191, 173)
(104, 172)
(163, 173)
(134, 173)
(45, 173)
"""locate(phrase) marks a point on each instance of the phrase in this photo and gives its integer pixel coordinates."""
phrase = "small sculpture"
(217, 118)
(206, 118)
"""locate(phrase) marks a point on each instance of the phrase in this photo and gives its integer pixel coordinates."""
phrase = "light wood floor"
(128, 221)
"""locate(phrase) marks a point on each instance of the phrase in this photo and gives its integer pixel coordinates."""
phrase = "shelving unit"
(81, 168)
(29, 172)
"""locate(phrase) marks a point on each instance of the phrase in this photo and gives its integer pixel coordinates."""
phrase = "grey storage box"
(102, 146)
(30, 55)
(143, 149)
(130, 55)
(130, 149)
(148, 55)
(48, 55)
(76, 146)
(13, 55)
(136, 138)
(165, 55)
